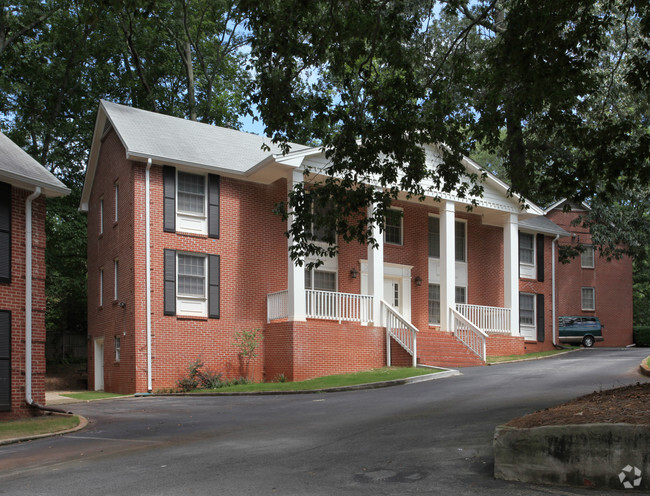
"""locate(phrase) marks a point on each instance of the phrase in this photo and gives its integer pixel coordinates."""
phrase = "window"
(116, 280)
(191, 276)
(101, 287)
(117, 348)
(461, 294)
(117, 201)
(434, 304)
(393, 227)
(588, 299)
(318, 232)
(191, 202)
(101, 215)
(460, 239)
(460, 242)
(526, 248)
(526, 309)
(191, 194)
(434, 237)
(192, 284)
(320, 280)
(587, 258)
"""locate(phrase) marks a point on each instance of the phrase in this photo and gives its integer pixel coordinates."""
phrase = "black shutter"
(213, 205)
(214, 286)
(169, 201)
(170, 282)
(5, 360)
(5, 232)
(540, 257)
(540, 318)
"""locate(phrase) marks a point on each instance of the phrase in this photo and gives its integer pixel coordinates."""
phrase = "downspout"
(148, 271)
(553, 243)
(28, 304)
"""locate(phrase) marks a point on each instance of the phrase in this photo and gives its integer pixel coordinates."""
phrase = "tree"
(373, 81)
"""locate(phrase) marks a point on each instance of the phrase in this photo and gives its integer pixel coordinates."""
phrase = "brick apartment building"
(590, 285)
(24, 185)
(184, 250)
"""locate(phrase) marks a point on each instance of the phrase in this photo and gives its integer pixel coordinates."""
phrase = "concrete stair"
(445, 350)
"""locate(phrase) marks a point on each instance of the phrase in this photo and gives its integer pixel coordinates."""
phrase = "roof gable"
(18, 168)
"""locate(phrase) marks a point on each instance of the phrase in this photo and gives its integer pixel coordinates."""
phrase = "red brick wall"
(612, 282)
(12, 298)
(498, 345)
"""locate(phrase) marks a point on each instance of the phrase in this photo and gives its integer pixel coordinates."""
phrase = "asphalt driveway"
(432, 437)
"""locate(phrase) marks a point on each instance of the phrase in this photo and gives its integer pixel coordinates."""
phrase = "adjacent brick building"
(24, 185)
(184, 250)
(591, 285)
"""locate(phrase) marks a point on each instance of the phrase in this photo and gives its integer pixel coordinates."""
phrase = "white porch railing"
(401, 330)
(473, 337)
(492, 320)
(338, 306)
(277, 305)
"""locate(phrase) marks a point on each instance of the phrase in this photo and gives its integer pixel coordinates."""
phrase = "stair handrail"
(406, 339)
(473, 337)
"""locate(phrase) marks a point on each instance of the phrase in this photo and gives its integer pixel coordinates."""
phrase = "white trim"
(464, 222)
(116, 216)
(192, 222)
(527, 270)
(101, 287)
(593, 258)
(527, 329)
(116, 278)
(188, 305)
(401, 227)
(101, 215)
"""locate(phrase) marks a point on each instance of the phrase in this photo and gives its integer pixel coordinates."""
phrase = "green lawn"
(37, 425)
(91, 395)
(330, 381)
(508, 358)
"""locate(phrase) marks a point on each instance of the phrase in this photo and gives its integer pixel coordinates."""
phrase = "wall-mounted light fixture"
(354, 273)
(418, 281)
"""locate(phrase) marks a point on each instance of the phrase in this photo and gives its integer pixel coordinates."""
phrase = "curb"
(356, 387)
(644, 368)
(536, 358)
(83, 422)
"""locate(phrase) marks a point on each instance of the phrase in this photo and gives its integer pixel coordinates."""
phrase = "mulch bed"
(625, 405)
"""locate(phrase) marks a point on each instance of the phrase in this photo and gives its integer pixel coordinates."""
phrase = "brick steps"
(442, 348)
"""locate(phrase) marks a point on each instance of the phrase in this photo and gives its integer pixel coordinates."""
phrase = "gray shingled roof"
(543, 225)
(171, 139)
(19, 169)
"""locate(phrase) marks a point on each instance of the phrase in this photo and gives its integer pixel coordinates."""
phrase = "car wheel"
(588, 342)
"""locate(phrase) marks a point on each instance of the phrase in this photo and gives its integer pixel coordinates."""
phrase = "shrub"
(642, 335)
(199, 378)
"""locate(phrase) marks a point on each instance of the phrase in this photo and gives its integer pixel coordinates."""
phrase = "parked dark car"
(580, 329)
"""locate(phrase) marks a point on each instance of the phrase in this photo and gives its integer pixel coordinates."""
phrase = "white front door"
(99, 364)
(393, 294)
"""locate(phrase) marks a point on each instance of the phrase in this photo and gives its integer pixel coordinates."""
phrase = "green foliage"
(555, 90)
(642, 335)
(247, 342)
(280, 378)
(199, 377)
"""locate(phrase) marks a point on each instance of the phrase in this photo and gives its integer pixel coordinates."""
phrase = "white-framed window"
(588, 298)
(101, 215)
(320, 280)
(527, 267)
(116, 279)
(434, 304)
(461, 294)
(434, 237)
(191, 284)
(587, 259)
(117, 343)
(393, 225)
(101, 287)
(117, 201)
(460, 241)
(527, 316)
(319, 233)
(191, 202)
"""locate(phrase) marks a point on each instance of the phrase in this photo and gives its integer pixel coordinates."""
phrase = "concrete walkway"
(53, 398)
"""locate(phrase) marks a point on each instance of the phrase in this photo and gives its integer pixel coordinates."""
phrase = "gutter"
(147, 250)
(28, 304)
(553, 243)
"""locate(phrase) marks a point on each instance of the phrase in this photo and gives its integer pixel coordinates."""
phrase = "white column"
(296, 274)
(447, 263)
(511, 270)
(376, 271)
